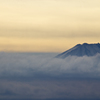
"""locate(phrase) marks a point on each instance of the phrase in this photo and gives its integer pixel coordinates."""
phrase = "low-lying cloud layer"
(46, 65)
(42, 76)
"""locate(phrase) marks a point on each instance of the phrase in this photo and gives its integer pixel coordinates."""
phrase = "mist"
(42, 76)
(33, 65)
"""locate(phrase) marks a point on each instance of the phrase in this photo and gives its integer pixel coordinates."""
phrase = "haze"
(40, 76)
(48, 25)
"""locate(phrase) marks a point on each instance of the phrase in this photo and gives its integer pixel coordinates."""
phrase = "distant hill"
(81, 50)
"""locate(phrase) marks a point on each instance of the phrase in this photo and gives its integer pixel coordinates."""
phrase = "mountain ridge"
(84, 49)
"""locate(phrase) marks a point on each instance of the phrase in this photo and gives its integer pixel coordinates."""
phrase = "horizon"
(46, 51)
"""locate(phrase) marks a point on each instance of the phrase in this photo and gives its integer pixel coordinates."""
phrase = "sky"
(48, 25)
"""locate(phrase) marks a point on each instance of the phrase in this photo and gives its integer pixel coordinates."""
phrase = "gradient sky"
(48, 25)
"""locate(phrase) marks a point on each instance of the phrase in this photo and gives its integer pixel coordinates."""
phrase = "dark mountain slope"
(81, 50)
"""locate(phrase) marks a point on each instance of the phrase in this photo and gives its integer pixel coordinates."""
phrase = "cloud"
(27, 65)
(42, 76)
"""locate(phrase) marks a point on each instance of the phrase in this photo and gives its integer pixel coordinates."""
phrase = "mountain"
(81, 50)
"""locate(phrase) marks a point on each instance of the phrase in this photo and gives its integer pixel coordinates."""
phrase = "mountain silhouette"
(81, 50)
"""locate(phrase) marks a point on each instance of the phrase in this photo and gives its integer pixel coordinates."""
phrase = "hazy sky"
(48, 25)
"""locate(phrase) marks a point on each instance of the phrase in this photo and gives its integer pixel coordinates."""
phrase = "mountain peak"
(84, 49)
(85, 43)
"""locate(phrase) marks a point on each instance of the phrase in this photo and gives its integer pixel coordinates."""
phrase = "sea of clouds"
(35, 65)
(33, 76)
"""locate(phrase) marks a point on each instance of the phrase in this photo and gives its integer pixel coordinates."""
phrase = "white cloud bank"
(28, 65)
(28, 76)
